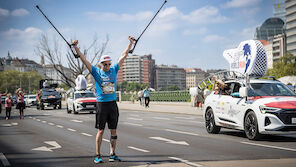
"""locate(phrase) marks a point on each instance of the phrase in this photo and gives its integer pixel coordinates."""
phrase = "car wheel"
(210, 122)
(41, 106)
(74, 111)
(60, 105)
(55, 107)
(91, 112)
(68, 111)
(251, 126)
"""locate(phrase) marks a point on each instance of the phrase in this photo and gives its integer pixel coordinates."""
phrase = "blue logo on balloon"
(247, 54)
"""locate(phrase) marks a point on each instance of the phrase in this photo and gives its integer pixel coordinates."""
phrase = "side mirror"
(243, 92)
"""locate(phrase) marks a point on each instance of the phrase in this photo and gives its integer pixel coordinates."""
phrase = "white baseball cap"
(105, 58)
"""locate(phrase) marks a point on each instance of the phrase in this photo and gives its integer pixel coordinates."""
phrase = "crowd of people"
(8, 103)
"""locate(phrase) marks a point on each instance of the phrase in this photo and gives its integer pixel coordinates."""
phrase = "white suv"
(81, 101)
(259, 107)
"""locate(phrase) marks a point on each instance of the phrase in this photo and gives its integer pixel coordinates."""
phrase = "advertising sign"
(249, 58)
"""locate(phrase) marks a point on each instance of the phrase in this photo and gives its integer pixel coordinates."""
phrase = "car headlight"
(265, 109)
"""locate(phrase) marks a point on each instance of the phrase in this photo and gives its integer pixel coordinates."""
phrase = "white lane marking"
(54, 145)
(78, 121)
(14, 123)
(138, 149)
(170, 141)
(186, 162)
(137, 119)
(132, 124)
(47, 114)
(161, 118)
(38, 120)
(3, 159)
(34, 118)
(73, 130)
(269, 146)
(134, 115)
(43, 121)
(59, 126)
(106, 140)
(182, 132)
(30, 117)
(50, 123)
(185, 118)
(6, 125)
(86, 134)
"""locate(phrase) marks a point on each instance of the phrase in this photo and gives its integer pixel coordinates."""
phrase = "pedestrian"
(146, 96)
(107, 110)
(1, 100)
(140, 96)
(20, 102)
(8, 104)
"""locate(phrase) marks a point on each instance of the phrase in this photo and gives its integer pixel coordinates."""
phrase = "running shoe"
(98, 159)
(113, 158)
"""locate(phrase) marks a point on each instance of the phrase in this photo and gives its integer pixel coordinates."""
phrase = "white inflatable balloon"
(80, 83)
(248, 58)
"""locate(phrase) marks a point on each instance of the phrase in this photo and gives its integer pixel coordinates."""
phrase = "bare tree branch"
(54, 57)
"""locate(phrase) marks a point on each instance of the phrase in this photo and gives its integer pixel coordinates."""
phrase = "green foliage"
(173, 88)
(285, 66)
(14, 79)
(64, 86)
(169, 96)
(130, 86)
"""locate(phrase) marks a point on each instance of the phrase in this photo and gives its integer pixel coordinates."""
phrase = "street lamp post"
(29, 84)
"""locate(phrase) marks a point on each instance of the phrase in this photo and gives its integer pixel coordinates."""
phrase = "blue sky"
(187, 33)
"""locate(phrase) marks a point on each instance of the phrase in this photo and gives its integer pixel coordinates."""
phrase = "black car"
(49, 97)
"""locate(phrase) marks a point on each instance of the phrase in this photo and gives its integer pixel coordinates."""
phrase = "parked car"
(81, 101)
(258, 107)
(30, 100)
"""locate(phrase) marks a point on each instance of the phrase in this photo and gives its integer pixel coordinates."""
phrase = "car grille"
(286, 116)
(89, 104)
(288, 128)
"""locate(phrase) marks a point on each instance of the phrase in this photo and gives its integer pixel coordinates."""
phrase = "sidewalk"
(162, 107)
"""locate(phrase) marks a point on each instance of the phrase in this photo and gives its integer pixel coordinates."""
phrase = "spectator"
(8, 104)
(146, 96)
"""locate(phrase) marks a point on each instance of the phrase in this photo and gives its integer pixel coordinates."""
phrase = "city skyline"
(187, 33)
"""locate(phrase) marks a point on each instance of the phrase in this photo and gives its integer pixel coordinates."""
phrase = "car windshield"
(81, 95)
(269, 89)
(48, 93)
(32, 97)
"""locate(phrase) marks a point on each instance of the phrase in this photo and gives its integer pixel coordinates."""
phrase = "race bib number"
(108, 87)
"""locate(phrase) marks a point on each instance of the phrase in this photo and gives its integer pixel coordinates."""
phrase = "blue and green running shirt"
(105, 83)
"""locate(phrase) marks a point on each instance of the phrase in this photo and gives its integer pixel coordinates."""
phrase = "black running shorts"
(107, 112)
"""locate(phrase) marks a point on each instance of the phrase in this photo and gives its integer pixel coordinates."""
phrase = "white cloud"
(20, 12)
(20, 42)
(241, 3)
(214, 38)
(3, 13)
(119, 17)
(28, 33)
(205, 15)
(199, 31)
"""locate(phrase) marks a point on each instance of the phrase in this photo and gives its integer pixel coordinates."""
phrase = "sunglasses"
(105, 64)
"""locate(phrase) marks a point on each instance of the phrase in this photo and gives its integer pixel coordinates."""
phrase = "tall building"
(279, 46)
(279, 9)
(291, 26)
(21, 65)
(271, 27)
(138, 69)
(194, 76)
(166, 76)
(51, 73)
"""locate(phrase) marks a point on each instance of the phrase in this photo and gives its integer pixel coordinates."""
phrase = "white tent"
(288, 79)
